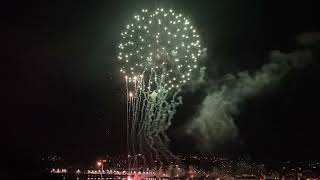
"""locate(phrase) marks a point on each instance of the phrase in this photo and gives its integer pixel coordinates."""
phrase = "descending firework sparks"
(158, 40)
(158, 52)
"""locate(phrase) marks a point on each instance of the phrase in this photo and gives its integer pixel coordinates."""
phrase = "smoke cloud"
(307, 39)
(214, 124)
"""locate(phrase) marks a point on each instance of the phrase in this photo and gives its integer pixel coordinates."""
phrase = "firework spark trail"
(159, 53)
(127, 115)
(140, 126)
(154, 122)
(134, 111)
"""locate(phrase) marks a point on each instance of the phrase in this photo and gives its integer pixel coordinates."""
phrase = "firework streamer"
(158, 52)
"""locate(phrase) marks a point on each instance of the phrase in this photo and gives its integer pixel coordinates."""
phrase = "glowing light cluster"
(162, 41)
(159, 52)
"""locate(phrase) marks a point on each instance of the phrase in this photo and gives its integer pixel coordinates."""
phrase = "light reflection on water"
(85, 177)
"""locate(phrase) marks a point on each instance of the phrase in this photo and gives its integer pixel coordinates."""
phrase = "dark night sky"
(63, 93)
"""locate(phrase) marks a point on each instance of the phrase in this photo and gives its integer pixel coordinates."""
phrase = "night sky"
(63, 93)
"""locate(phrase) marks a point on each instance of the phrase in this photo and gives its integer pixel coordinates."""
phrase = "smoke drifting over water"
(214, 124)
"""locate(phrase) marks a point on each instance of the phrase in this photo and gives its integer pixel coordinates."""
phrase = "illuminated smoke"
(214, 125)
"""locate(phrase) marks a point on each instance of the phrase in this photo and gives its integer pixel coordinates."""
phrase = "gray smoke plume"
(214, 124)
